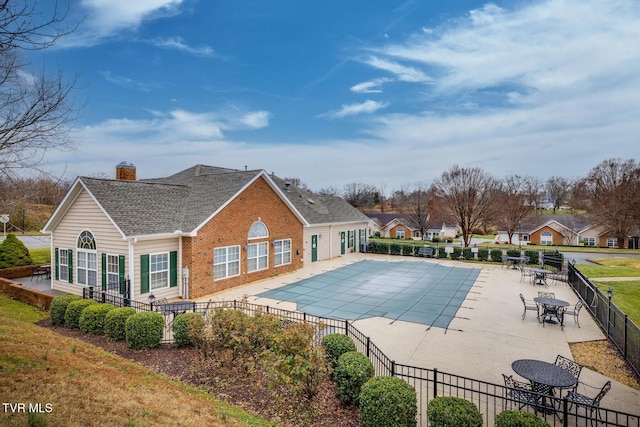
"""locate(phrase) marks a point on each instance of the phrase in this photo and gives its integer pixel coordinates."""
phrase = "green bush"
(534, 257)
(483, 254)
(514, 252)
(13, 253)
(114, 323)
(388, 402)
(453, 411)
(383, 248)
(467, 254)
(442, 252)
(408, 250)
(457, 252)
(59, 307)
(395, 248)
(496, 255)
(519, 419)
(92, 318)
(335, 345)
(144, 330)
(74, 311)
(352, 371)
(187, 328)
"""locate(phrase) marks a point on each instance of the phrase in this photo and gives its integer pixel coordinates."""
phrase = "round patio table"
(545, 373)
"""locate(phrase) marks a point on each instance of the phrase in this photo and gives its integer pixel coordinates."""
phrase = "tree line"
(474, 199)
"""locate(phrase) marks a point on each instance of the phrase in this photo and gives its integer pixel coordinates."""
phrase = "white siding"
(146, 247)
(329, 239)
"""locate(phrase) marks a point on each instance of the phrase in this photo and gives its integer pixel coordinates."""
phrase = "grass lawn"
(40, 255)
(84, 385)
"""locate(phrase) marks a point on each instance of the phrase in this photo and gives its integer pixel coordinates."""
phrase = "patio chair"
(571, 366)
(591, 404)
(526, 272)
(575, 312)
(546, 295)
(521, 392)
(533, 307)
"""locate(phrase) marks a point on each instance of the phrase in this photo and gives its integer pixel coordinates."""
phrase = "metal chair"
(529, 307)
(526, 272)
(575, 312)
(547, 295)
(521, 392)
(591, 404)
(571, 366)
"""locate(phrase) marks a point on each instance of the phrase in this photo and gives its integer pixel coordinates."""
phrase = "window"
(63, 264)
(258, 230)
(257, 256)
(87, 262)
(400, 233)
(226, 262)
(589, 241)
(113, 272)
(546, 238)
(158, 271)
(612, 242)
(282, 252)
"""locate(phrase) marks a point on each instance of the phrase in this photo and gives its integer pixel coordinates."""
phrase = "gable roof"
(184, 201)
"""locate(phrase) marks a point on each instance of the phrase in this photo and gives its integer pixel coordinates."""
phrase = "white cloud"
(365, 107)
(108, 18)
(179, 44)
(371, 86)
(402, 72)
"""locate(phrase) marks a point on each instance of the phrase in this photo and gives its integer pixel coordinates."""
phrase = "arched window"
(87, 262)
(258, 230)
(546, 238)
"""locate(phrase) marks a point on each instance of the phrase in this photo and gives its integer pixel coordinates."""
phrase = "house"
(398, 226)
(196, 232)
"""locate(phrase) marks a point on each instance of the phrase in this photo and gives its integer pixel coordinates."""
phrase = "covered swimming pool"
(411, 291)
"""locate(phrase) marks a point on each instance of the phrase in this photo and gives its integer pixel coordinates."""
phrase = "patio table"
(544, 377)
(552, 307)
(540, 276)
(514, 261)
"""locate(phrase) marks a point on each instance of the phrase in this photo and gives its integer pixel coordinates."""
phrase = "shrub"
(13, 253)
(514, 252)
(144, 329)
(442, 252)
(496, 255)
(483, 254)
(59, 307)
(74, 311)
(383, 248)
(395, 248)
(519, 419)
(335, 345)
(186, 328)
(388, 402)
(92, 318)
(453, 411)
(534, 257)
(456, 253)
(114, 322)
(352, 371)
(467, 254)
(408, 250)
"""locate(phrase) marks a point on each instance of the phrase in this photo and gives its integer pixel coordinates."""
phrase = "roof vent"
(287, 186)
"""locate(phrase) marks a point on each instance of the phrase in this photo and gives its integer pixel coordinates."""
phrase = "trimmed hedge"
(519, 419)
(467, 254)
(13, 253)
(496, 255)
(483, 254)
(534, 257)
(92, 318)
(352, 371)
(74, 311)
(59, 306)
(144, 330)
(388, 402)
(395, 248)
(442, 252)
(335, 345)
(444, 411)
(457, 252)
(114, 323)
(187, 327)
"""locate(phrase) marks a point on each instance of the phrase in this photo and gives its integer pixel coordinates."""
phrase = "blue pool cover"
(418, 292)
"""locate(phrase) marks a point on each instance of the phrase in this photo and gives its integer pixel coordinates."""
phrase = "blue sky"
(387, 93)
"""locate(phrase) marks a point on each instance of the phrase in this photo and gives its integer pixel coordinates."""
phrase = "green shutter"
(57, 265)
(70, 261)
(173, 269)
(121, 273)
(104, 272)
(144, 274)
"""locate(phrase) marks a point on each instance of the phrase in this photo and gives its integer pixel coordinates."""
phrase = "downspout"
(132, 295)
(330, 241)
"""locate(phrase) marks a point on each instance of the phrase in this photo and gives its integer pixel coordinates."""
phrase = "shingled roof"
(185, 200)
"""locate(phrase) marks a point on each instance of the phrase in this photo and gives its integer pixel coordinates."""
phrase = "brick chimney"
(125, 171)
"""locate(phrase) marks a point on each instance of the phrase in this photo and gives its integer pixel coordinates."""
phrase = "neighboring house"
(199, 231)
(397, 226)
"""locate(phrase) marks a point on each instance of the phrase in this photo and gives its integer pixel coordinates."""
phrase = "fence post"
(565, 410)
(368, 343)
(90, 292)
(626, 318)
(346, 327)
(393, 368)
(435, 382)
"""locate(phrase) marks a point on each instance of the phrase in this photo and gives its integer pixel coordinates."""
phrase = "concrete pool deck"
(486, 335)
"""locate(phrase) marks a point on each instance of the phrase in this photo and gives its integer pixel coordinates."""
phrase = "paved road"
(32, 242)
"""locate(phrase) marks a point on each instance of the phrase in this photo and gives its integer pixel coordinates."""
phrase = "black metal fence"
(622, 331)
(490, 398)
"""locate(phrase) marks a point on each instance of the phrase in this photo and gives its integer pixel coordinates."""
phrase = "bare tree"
(415, 206)
(329, 191)
(362, 196)
(533, 190)
(558, 190)
(613, 189)
(514, 207)
(470, 196)
(35, 108)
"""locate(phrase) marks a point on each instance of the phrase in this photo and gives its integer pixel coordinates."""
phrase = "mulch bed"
(231, 383)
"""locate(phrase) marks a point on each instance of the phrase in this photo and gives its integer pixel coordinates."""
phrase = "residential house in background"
(191, 234)
(398, 226)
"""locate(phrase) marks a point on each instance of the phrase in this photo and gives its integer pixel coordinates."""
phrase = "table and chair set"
(550, 309)
(548, 383)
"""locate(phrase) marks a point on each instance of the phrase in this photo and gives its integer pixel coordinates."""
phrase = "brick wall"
(230, 227)
(32, 297)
